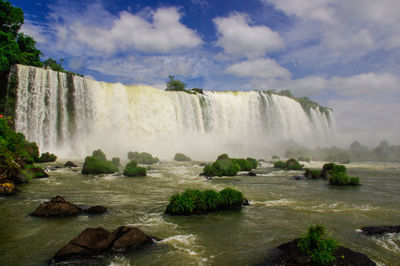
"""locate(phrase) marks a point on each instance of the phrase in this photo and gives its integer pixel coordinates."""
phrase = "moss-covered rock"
(47, 157)
(222, 167)
(132, 170)
(7, 187)
(142, 157)
(291, 164)
(98, 164)
(198, 202)
(180, 157)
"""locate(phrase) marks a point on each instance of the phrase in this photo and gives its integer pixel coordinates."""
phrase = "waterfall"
(71, 116)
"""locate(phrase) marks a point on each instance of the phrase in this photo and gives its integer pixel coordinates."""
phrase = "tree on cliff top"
(175, 85)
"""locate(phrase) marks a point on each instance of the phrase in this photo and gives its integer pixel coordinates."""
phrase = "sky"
(344, 54)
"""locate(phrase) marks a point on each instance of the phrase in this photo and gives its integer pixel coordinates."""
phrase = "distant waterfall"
(71, 116)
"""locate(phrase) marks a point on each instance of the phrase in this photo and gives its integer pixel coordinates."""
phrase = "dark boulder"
(16, 175)
(36, 172)
(251, 174)
(70, 164)
(129, 237)
(94, 241)
(95, 210)
(57, 206)
(289, 254)
(378, 230)
(91, 241)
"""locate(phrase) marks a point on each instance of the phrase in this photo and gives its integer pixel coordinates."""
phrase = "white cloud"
(259, 68)
(368, 84)
(37, 32)
(157, 31)
(312, 9)
(237, 37)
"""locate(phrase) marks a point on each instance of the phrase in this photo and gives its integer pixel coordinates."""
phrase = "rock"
(251, 174)
(289, 254)
(91, 241)
(57, 206)
(7, 187)
(129, 237)
(95, 210)
(16, 175)
(70, 164)
(298, 177)
(36, 172)
(378, 230)
(94, 241)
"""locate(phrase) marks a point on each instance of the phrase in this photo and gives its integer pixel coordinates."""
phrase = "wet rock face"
(94, 241)
(70, 164)
(7, 187)
(58, 206)
(378, 230)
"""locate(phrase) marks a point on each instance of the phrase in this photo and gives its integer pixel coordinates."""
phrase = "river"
(281, 208)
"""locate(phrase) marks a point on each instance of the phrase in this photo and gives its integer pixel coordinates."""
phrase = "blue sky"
(343, 54)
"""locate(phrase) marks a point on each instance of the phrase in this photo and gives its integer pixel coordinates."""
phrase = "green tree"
(175, 85)
(11, 18)
(53, 65)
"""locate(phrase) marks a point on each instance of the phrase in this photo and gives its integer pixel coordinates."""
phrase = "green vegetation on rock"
(225, 166)
(198, 202)
(98, 164)
(47, 157)
(116, 161)
(132, 170)
(180, 157)
(320, 248)
(142, 157)
(291, 164)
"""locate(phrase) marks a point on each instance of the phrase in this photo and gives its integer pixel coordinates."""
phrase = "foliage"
(47, 157)
(97, 164)
(99, 154)
(132, 170)
(32, 171)
(312, 173)
(320, 248)
(291, 164)
(223, 166)
(243, 164)
(253, 162)
(142, 158)
(342, 179)
(116, 161)
(197, 202)
(180, 157)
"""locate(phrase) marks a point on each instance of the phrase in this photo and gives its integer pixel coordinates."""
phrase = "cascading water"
(71, 116)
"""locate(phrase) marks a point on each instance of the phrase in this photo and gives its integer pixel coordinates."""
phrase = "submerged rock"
(378, 230)
(289, 254)
(70, 164)
(94, 241)
(58, 207)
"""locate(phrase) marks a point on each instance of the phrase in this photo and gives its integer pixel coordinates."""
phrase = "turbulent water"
(280, 210)
(71, 116)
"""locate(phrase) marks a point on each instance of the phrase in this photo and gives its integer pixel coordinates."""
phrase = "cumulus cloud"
(237, 37)
(158, 31)
(259, 68)
(37, 32)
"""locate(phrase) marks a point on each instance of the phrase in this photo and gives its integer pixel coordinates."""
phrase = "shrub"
(132, 170)
(320, 249)
(312, 173)
(116, 161)
(222, 167)
(99, 154)
(291, 164)
(342, 179)
(180, 157)
(253, 162)
(94, 165)
(231, 198)
(197, 202)
(243, 164)
(47, 157)
(142, 158)
(354, 181)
